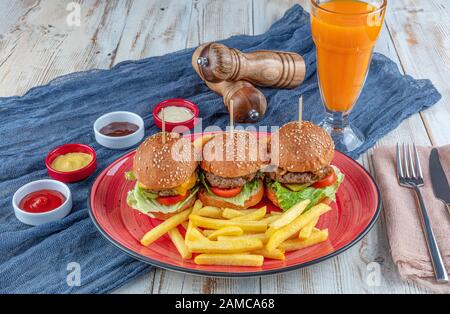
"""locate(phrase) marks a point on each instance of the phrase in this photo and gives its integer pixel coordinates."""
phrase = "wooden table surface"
(37, 44)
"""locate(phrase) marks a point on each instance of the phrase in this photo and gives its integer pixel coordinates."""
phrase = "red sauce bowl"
(177, 102)
(72, 176)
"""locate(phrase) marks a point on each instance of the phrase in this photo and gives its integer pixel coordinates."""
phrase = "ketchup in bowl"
(118, 129)
(42, 201)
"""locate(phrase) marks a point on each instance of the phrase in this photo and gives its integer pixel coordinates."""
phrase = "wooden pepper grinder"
(249, 104)
(278, 69)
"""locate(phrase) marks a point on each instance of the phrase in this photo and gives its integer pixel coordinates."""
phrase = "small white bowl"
(36, 219)
(121, 142)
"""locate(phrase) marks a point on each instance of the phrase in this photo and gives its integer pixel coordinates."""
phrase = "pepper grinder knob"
(253, 115)
(203, 62)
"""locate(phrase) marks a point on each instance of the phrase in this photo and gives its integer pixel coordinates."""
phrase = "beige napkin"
(407, 241)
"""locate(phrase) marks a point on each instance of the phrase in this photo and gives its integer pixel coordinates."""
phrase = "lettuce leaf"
(287, 198)
(129, 176)
(248, 190)
(146, 202)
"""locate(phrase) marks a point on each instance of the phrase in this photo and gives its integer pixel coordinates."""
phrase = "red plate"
(356, 210)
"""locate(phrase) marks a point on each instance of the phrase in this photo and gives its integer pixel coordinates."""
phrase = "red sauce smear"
(118, 129)
(42, 201)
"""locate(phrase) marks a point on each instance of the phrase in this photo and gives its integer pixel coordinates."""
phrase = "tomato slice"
(171, 200)
(227, 193)
(327, 181)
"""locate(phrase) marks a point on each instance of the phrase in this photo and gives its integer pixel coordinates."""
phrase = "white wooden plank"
(43, 46)
(420, 30)
(154, 28)
(141, 285)
(11, 11)
(214, 20)
(266, 12)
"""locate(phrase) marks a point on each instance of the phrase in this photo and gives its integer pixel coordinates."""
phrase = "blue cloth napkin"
(40, 259)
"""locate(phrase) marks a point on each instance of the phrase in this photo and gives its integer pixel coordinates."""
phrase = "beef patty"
(227, 183)
(163, 193)
(287, 177)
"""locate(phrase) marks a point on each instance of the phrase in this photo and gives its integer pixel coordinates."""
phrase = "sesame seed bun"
(208, 200)
(305, 149)
(164, 216)
(159, 165)
(232, 156)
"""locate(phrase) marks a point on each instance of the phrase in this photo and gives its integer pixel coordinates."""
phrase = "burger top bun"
(232, 156)
(306, 149)
(158, 165)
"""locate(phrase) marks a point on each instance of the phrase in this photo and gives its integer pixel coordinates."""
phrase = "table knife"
(439, 181)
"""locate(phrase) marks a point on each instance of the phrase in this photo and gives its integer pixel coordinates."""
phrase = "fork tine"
(411, 162)
(419, 167)
(405, 160)
(399, 163)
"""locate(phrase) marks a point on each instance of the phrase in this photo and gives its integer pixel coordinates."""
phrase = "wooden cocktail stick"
(300, 111)
(231, 118)
(279, 69)
(163, 126)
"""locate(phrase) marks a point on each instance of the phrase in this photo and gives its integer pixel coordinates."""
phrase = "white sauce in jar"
(176, 114)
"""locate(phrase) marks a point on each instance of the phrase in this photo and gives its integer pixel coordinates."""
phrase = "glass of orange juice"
(345, 33)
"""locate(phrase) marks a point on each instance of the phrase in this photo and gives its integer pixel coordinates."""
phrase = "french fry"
(195, 235)
(295, 226)
(275, 254)
(209, 211)
(307, 230)
(188, 231)
(271, 217)
(224, 247)
(290, 215)
(208, 232)
(210, 223)
(227, 231)
(297, 244)
(270, 232)
(178, 241)
(229, 213)
(260, 236)
(164, 227)
(197, 206)
(185, 224)
(229, 259)
(254, 216)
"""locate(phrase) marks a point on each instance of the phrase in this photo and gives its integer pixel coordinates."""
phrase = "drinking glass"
(345, 33)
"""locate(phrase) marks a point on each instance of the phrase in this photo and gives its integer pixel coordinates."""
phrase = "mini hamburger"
(302, 156)
(230, 171)
(165, 174)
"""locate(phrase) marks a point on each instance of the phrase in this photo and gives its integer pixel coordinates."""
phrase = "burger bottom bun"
(207, 200)
(165, 216)
(273, 198)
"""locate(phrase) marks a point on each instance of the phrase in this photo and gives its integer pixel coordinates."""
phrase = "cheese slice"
(187, 185)
(297, 187)
(182, 188)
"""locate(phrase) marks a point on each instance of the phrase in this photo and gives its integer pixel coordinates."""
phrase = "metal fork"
(410, 175)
